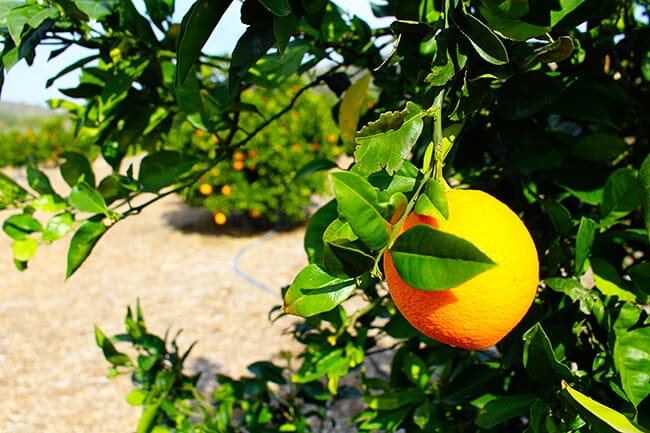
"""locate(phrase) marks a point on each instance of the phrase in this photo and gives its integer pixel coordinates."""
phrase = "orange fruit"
(205, 189)
(481, 311)
(238, 165)
(220, 218)
(254, 213)
(226, 190)
(239, 155)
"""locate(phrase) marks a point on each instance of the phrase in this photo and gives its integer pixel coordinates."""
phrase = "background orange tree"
(542, 104)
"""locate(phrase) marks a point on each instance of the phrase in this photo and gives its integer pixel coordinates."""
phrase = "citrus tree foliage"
(542, 104)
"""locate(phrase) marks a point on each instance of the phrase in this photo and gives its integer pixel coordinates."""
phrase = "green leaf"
(632, 352)
(250, 47)
(77, 168)
(429, 259)
(508, 8)
(387, 142)
(131, 20)
(49, 203)
(486, 43)
(620, 196)
(18, 227)
(268, 371)
(599, 147)
(422, 414)
(112, 188)
(320, 220)
(96, 10)
(82, 243)
(196, 27)
(283, 28)
(29, 15)
(343, 255)
(314, 291)
(108, 348)
(415, 370)
(584, 240)
(58, 226)
(539, 358)
(136, 397)
(502, 409)
(590, 301)
(350, 110)
(358, 204)
(644, 186)
(10, 191)
(597, 413)
(87, 199)
(567, 6)
(559, 215)
(161, 169)
(433, 201)
(271, 70)
(277, 7)
(37, 180)
(394, 399)
(640, 275)
(608, 281)
(24, 249)
(511, 28)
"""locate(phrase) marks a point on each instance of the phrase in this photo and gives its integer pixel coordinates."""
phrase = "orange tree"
(542, 104)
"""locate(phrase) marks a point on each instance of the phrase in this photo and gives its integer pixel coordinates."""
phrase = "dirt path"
(52, 376)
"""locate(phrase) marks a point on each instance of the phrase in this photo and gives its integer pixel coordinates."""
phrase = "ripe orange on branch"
(481, 311)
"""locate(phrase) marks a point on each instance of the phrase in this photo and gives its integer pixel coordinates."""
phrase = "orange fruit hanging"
(481, 311)
(205, 189)
(220, 218)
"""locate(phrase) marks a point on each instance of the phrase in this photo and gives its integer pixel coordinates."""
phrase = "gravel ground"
(180, 267)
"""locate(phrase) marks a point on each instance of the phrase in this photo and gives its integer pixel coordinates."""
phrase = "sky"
(26, 84)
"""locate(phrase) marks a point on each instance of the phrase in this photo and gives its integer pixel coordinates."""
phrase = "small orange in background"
(205, 189)
(331, 138)
(252, 153)
(214, 138)
(239, 155)
(295, 147)
(238, 165)
(315, 146)
(254, 213)
(226, 190)
(199, 133)
(220, 218)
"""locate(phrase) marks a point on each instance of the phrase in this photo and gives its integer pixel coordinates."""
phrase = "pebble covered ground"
(180, 267)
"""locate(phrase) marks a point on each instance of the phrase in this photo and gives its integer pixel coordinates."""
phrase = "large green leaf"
(314, 291)
(343, 254)
(82, 243)
(313, 239)
(601, 418)
(608, 281)
(387, 142)
(632, 352)
(30, 16)
(87, 199)
(162, 169)
(24, 249)
(566, 7)
(502, 409)
(486, 43)
(350, 110)
(512, 28)
(358, 204)
(196, 27)
(37, 180)
(429, 259)
(620, 196)
(250, 47)
(58, 226)
(539, 358)
(18, 227)
(644, 186)
(77, 168)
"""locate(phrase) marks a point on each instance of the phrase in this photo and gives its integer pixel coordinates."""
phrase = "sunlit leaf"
(314, 291)
(608, 281)
(387, 142)
(87, 199)
(433, 201)
(486, 43)
(632, 352)
(58, 226)
(605, 416)
(429, 259)
(18, 227)
(82, 243)
(24, 249)
(584, 240)
(358, 204)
